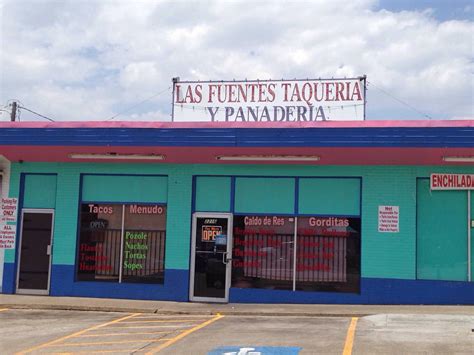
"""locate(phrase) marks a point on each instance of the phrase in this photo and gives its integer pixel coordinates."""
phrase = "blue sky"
(89, 60)
(443, 10)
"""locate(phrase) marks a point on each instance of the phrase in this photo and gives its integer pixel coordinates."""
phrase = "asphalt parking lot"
(74, 332)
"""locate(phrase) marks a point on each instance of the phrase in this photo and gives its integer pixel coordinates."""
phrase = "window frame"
(352, 283)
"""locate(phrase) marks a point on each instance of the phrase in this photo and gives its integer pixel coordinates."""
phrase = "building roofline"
(214, 125)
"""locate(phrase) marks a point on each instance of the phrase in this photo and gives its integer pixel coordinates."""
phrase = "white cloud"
(81, 60)
(141, 76)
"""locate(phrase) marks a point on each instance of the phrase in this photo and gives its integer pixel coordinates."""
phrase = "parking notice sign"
(255, 350)
(389, 219)
(8, 209)
(7, 236)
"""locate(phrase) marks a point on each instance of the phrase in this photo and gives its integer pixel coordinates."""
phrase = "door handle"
(225, 259)
(48, 250)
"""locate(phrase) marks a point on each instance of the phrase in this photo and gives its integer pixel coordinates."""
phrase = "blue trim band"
(373, 291)
(8, 284)
(243, 137)
(176, 287)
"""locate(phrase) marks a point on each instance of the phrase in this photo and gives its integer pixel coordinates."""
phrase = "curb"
(182, 312)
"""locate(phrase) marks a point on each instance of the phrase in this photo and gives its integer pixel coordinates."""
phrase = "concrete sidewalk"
(165, 307)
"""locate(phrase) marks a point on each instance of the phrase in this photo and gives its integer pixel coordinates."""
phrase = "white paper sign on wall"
(8, 209)
(389, 219)
(7, 236)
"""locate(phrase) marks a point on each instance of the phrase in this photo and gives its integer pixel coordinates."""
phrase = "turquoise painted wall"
(391, 255)
(129, 188)
(9, 255)
(264, 195)
(67, 202)
(178, 227)
(331, 196)
(66, 217)
(212, 194)
(442, 234)
(40, 191)
(472, 235)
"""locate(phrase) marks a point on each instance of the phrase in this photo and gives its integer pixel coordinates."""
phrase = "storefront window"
(99, 242)
(121, 243)
(262, 255)
(328, 254)
(144, 243)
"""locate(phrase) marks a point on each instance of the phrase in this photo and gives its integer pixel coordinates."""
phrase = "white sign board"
(7, 236)
(8, 209)
(389, 218)
(452, 181)
(269, 100)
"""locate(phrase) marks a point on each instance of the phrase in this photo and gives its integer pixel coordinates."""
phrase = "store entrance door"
(211, 257)
(35, 252)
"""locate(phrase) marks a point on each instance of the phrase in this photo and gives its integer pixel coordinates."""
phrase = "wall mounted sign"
(452, 181)
(8, 215)
(307, 100)
(7, 236)
(389, 219)
(8, 209)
